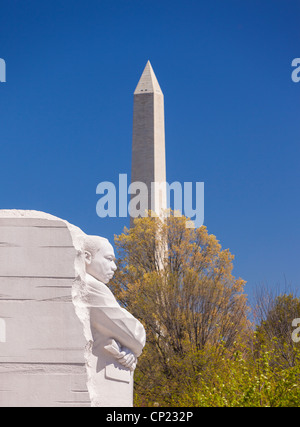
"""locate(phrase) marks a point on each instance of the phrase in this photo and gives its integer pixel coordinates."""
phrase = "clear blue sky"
(232, 114)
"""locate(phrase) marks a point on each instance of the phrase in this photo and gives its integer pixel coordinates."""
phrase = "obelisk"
(148, 141)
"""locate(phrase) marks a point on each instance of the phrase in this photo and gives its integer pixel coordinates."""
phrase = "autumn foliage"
(201, 349)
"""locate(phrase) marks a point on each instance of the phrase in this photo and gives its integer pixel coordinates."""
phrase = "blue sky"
(231, 107)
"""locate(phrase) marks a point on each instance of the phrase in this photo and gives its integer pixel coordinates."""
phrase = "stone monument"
(64, 339)
(117, 337)
(148, 141)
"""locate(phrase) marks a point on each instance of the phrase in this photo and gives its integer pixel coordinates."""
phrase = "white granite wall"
(41, 338)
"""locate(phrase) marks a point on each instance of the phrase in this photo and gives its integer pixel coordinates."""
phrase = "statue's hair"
(93, 244)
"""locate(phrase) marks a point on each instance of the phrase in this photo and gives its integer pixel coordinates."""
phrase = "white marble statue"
(117, 337)
(72, 344)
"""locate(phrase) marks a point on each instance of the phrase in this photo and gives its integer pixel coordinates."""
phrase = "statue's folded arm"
(115, 322)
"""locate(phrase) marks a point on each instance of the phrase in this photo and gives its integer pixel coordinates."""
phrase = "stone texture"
(64, 339)
(42, 356)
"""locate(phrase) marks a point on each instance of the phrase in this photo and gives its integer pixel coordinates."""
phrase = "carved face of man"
(101, 264)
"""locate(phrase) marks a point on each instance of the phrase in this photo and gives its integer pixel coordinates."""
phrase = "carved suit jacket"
(110, 321)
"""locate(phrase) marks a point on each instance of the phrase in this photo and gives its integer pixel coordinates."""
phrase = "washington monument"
(148, 142)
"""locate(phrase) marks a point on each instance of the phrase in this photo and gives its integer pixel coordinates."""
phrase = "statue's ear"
(87, 257)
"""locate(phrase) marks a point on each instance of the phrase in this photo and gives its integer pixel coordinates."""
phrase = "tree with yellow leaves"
(178, 281)
(274, 316)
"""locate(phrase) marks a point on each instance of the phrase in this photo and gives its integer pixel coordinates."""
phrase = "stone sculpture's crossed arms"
(122, 354)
